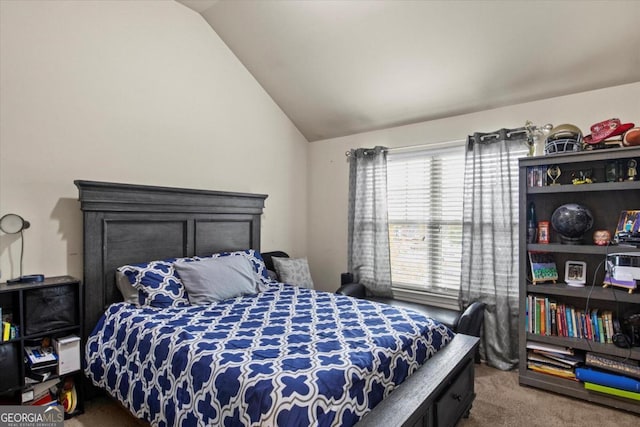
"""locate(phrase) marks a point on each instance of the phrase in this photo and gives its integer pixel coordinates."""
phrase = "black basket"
(49, 308)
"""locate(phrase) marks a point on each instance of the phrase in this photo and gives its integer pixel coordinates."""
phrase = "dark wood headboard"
(126, 224)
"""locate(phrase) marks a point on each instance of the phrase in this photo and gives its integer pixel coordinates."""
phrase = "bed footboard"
(438, 394)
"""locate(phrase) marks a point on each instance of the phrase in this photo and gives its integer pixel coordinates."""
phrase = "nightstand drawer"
(455, 400)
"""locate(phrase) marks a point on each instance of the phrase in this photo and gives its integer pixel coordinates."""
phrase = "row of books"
(537, 176)
(548, 317)
(553, 360)
(44, 393)
(606, 374)
(8, 331)
(610, 375)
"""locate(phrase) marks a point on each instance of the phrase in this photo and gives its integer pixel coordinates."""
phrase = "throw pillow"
(294, 271)
(216, 279)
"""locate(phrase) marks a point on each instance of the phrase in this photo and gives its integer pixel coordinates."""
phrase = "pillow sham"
(217, 279)
(157, 282)
(159, 285)
(252, 255)
(128, 292)
(294, 271)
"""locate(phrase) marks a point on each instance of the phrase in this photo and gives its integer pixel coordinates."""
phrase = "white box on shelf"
(68, 350)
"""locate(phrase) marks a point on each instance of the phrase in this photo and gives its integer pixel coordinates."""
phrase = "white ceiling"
(343, 67)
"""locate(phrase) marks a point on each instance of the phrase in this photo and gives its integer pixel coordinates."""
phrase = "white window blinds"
(425, 219)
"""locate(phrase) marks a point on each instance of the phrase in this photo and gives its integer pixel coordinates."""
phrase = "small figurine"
(631, 171)
(582, 177)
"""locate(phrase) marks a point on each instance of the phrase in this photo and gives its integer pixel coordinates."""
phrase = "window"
(425, 191)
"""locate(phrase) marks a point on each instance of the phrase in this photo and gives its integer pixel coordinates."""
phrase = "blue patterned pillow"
(157, 283)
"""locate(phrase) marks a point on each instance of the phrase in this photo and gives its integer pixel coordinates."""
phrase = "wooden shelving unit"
(36, 313)
(605, 200)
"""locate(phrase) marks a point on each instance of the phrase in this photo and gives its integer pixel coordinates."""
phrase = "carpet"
(500, 401)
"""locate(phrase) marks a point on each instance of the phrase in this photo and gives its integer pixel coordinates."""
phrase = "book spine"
(600, 328)
(610, 324)
(608, 379)
(569, 324)
(537, 330)
(616, 366)
(612, 390)
(543, 316)
(547, 317)
(6, 331)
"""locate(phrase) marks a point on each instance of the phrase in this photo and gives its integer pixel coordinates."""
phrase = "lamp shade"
(12, 223)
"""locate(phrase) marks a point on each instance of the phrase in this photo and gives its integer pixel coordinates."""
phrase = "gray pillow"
(129, 293)
(294, 271)
(216, 279)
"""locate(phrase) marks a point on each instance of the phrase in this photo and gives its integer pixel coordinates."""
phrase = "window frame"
(408, 291)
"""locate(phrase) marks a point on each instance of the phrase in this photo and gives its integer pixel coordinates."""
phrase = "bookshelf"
(48, 311)
(605, 200)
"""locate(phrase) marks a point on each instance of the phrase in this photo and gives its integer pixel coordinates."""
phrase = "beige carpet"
(500, 401)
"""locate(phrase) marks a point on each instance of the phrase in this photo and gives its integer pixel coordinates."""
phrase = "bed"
(128, 224)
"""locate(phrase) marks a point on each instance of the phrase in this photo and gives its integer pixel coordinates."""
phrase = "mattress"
(287, 356)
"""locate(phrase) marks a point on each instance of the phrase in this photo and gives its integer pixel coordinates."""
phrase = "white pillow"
(294, 271)
(216, 279)
(129, 293)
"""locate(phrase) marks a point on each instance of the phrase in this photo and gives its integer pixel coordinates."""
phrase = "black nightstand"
(33, 314)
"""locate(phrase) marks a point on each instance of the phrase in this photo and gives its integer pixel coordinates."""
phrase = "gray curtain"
(368, 223)
(490, 239)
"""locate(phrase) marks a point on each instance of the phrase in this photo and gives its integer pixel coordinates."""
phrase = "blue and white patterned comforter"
(285, 357)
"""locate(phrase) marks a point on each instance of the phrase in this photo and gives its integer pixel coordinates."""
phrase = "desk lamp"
(12, 224)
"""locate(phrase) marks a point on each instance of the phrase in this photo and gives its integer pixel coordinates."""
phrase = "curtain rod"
(444, 144)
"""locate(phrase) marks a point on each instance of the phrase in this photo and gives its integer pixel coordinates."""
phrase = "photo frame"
(575, 273)
(543, 267)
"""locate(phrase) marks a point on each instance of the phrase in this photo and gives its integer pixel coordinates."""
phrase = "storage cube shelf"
(606, 200)
(36, 311)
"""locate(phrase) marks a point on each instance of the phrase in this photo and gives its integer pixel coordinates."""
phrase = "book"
(37, 357)
(569, 322)
(45, 399)
(549, 347)
(550, 370)
(612, 391)
(628, 367)
(568, 359)
(543, 267)
(608, 379)
(40, 389)
(536, 356)
(6, 331)
(553, 314)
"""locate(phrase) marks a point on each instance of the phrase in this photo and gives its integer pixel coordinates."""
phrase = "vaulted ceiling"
(343, 67)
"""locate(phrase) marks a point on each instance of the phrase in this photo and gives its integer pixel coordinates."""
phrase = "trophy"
(631, 170)
(554, 173)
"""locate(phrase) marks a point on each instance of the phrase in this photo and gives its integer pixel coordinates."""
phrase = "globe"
(571, 221)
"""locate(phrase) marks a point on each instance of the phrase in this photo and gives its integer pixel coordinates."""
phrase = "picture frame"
(575, 273)
(543, 267)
